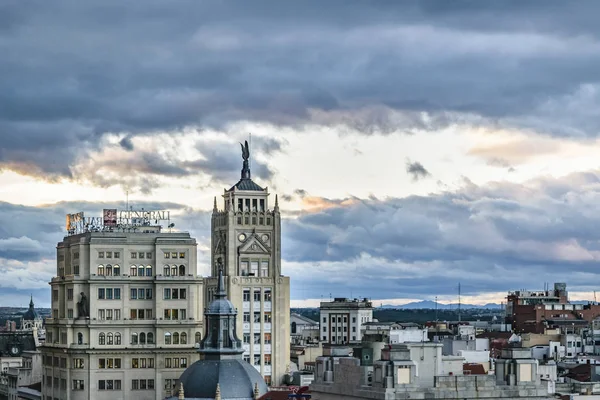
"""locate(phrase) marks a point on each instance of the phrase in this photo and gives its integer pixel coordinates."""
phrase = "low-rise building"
(342, 319)
(303, 329)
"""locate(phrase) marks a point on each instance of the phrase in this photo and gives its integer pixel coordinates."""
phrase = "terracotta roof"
(474, 369)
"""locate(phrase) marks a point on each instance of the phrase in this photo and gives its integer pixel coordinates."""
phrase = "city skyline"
(412, 146)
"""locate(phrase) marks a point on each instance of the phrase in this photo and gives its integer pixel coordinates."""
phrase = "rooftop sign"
(112, 219)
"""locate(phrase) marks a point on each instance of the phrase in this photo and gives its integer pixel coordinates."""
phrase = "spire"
(181, 392)
(31, 302)
(218, 392)
(256, 392)
(276, 204)
(221, 285)
(215, 209)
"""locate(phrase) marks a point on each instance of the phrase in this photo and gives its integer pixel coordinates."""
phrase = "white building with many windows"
(342, 319)
(127, 309)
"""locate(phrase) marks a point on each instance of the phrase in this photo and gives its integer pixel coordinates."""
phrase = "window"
(183, 338)
(135, 384)
(167, 254)
(102, 338)
(149, 256)
(117, 338)
(142, 338)
(267, 359)
(167, 338)
(150, 338)
(141, 270)
(141, 254)
(109, 254)
(117, 254)
(353, 329)
(257, 338)
(133, 254)
(109, 363)
(78, 384)
(257, 295)
(182, 270)
(267, 294)
(257, 317)
(198, 337)
(244, 268)
(148, 270)
(70, 313)
(174, 270)
(246, 316)
(353, 319)
(246, 338)
(168, 363)
(78, 363)
(181, 254)
(257, 359)
(173, 254)
(148, 294)
(134, 338)
(267, 317)
(167, 270)
(264, 268)
(247, 358)
(110, 338)
(133, 295)
(101, 293)
(267, 338)
(76, 270)
(176, 338)
(116, 270)
(324, 319)
(254, 268)
(167, 294)
(100, 254)
(76, 255)
(100, 269)
(246, 294)
(117, 293)
(109, 384)
(133, 270)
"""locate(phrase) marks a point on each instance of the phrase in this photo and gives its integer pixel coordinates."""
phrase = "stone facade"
(341, 320)
(127, 310)
(246, 241)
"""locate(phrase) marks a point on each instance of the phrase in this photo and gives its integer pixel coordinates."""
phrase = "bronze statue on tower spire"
(245, 157)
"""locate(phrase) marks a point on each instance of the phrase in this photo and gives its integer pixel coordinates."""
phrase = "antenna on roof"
(458, 301)
(250, 146)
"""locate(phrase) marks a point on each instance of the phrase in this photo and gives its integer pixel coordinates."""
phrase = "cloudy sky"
(413, 145)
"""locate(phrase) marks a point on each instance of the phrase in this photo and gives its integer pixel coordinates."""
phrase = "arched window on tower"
(150, 338)
(183, 338)
(142, 338)
(175, 338)
(148, 270)
(109, 270)
(167, 270)
(109, 338)
(198, 337)
(116, 270)
(182, 270)
(117, 338)
(102, 338)
(141, 270)
(167, 337)
(133, 270)
(100, 269)
(174, 270)
(134, 338)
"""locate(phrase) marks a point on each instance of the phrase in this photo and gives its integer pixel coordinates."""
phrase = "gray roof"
(246, 184)
(305, 319)
(22, 341)
(236, 379)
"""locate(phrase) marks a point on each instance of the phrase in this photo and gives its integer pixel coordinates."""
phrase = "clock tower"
(246, 243)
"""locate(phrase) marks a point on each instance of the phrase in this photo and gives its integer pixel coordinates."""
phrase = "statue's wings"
(245, 150)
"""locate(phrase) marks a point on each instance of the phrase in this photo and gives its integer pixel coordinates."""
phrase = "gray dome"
(221, 306)
(30, 314)
(236, 380)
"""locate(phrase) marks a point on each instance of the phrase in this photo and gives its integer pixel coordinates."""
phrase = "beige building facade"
(127, 310)
(246, 243)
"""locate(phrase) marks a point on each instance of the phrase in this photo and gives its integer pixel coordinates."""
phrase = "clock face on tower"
(14, 350)
(241, 237)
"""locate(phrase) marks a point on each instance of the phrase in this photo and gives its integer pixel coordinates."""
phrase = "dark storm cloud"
(491, 238)
(416, 170)
(72, 71)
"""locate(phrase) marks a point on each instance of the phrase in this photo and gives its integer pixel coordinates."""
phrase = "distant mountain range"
(428, 304)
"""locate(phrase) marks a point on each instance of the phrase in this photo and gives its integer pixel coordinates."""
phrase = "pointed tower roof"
(246, 182)
(30, 314)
